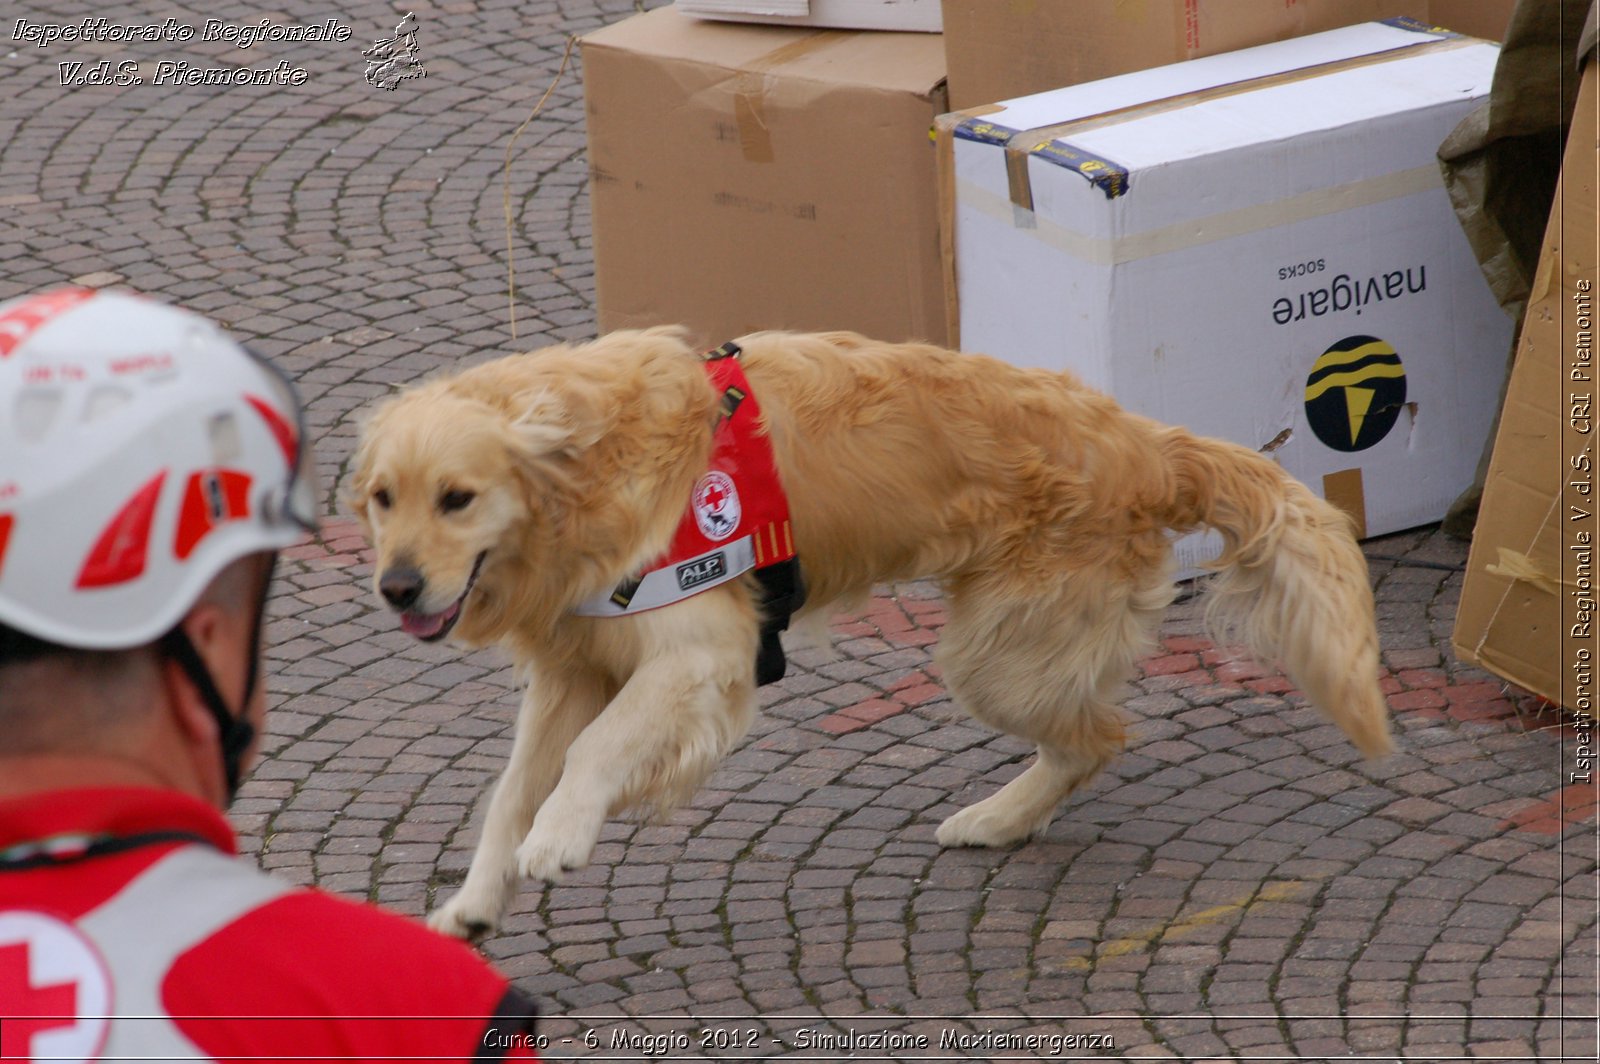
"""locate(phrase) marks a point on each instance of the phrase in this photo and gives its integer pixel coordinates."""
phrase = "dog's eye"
(451, 501)
(381, 497)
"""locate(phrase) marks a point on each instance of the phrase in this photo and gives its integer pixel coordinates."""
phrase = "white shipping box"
(1256, 245)
(924, 16)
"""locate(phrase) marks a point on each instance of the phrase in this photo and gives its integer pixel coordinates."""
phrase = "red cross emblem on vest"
(55, 992)
(716, 506)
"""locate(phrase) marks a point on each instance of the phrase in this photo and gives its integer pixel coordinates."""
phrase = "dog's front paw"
(984, 824)
(462, 918)
(546, 855)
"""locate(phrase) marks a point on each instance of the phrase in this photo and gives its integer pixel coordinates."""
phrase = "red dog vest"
(738, 516)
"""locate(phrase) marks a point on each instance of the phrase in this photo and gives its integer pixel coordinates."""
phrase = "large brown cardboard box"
(1528, 602)
(1002, 49)
(760, 177)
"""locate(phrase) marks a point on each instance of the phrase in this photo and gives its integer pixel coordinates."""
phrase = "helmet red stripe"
(22, 320)
(211, 497)
(282, 431)
(120, 553)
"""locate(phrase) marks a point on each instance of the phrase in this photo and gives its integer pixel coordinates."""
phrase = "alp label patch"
(1355, 393)
(702, 571)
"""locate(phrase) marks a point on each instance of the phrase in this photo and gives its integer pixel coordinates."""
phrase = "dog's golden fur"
(1041, 506)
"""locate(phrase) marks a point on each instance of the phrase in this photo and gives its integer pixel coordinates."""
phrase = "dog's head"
(502, 495)
(450, 489)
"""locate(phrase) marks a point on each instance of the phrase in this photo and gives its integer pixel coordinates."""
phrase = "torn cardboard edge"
(1527, 589)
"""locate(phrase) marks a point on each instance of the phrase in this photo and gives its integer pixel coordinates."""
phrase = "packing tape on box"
(1110, 251)
(750, 91)
(1345, 491)
(1514, 565)
(750, 117)
(1051, 143)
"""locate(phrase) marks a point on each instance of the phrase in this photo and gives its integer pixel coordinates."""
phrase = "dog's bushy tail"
(1291, 582)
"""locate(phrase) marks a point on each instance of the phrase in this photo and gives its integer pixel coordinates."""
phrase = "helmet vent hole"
(36, 411)
(105, 400)
(226, 447)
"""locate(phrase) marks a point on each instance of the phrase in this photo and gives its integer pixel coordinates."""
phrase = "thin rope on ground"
(511, 263)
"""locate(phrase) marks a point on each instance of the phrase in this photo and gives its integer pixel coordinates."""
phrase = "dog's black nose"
(401, 586)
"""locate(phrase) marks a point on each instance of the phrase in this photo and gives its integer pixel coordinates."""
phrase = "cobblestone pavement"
(1238, 886)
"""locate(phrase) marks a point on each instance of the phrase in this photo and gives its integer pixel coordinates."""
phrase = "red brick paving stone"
(1412, 678)
(1422, 699)
(872, 710)
(1170, 665)
(1576, 803)
(1270, 685)
(1185, 644)
(915, 688)
(356, 236)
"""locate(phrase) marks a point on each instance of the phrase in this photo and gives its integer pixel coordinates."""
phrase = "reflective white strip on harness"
(675, 582)
(181, 900)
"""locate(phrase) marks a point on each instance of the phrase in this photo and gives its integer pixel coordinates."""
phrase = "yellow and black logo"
(1355, 393)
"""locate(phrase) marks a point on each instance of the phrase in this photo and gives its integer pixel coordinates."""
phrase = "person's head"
(149, 469)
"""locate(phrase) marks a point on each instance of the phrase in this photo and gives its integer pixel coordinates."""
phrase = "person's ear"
(216, 637)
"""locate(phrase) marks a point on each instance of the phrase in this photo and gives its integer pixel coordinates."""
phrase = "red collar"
(738, 515)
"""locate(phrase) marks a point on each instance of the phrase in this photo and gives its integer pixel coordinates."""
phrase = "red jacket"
(130, 927)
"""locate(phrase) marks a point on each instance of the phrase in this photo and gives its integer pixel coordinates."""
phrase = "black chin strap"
(234, 731)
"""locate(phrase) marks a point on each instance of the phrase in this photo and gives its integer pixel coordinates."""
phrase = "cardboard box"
(907, 15)
(1255, 245)
(1528, 602)
(998, 51)
(762, 177)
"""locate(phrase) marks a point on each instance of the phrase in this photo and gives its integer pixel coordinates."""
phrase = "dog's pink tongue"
(423, 625)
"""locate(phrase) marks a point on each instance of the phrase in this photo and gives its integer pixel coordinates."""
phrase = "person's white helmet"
(141, 452)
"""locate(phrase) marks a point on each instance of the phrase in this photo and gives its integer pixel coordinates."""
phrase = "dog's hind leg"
(555, 708)
(1045, 667)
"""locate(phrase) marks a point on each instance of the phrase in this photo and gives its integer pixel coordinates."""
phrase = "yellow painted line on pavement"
(1205, 917)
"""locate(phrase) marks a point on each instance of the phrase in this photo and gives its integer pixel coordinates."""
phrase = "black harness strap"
(38, 855)
(783, 586)
(783, 592)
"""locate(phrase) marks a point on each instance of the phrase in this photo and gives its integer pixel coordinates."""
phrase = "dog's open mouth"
(432, 627)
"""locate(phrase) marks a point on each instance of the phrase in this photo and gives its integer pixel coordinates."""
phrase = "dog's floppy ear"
(553, 430)
(353, 495)
(553, 425)
(545, 432)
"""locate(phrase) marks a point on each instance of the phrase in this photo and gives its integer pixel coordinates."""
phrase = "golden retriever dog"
(499, 498)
